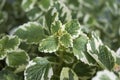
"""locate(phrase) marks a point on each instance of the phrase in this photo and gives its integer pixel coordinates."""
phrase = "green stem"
(58, 68)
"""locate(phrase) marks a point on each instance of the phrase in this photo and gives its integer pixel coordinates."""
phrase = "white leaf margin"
(24, 28)
(32, 63)
(17, 50)
(109, 74)
(31, 6)
(48, 51)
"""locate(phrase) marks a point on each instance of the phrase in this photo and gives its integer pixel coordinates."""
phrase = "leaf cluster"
(59, 40)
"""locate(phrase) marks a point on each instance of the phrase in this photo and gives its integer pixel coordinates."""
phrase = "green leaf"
(2, 3)
(2, 54)
(118, 60)
(68, 57)
(73, 28)
(84, 71)
(66, 40)
(101, 53)
(64, 13)
(3, 18)
(49, 45)
(9, 42)
(38, 69)
(32, 32)
(8, 75)
(56, 26)
(34, 14)
(19, 69)
(17, 58)
(117, 54)
(68, 74)
(94, 43)
(106, 57)
(79, 44)
(105, 75)
(28, 4)
(44, 4)
(57, 12)
(50, 18)
(79, 47)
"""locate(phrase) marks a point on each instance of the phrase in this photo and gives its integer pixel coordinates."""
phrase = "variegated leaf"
(105, 75)
(101, 53)
(17, 58)
(8, 75)
(58, 12)
(38, 69)
(68, 74)
(79, 47)
(9, 42)
(44, 4)
(28, 4)
(84, 71)
(49, 45)
(2, 54)
(73, 28)
(66, 40)
(56, 26)
(32, 32)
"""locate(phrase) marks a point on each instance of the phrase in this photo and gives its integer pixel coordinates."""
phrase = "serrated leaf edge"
(46, 51)
(71, 41)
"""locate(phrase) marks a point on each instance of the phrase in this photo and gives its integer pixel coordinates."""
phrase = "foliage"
(59, 40)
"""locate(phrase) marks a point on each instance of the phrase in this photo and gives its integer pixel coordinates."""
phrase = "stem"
(57, 68)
